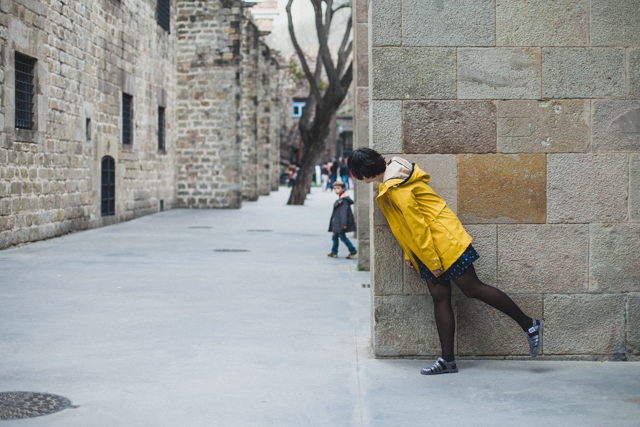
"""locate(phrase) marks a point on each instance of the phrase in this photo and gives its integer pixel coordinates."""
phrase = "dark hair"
(366, 163)
(339, 184)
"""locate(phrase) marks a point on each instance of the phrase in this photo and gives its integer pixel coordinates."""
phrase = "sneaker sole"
(446, 371)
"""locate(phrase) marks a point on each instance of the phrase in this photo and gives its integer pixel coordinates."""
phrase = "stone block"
(404, 326)
(386, 126)
(543, 258)
(542, 23)
(413, 283)
(485, 331)
(386, 23)
(634, 188)
(449, 127)
(362, 11)
(485, 242)
(502, 188)
(634, 73)
(543, 126)
(388, 259)
(362, 38)
(583, 73)
(615, 23)
(584, 324)
(364, 254)
(616, 126)
(362, 103)
(413, 73)
(443, 169)
(614, 260)
(439, 23)
(362, 70)
(586, 188)
(362, 134)
(633, 324)
(499, 73)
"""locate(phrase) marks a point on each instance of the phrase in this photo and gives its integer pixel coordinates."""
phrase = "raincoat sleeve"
(420, 232)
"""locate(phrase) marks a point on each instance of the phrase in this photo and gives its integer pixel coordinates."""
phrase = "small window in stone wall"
(164, 14)
(127, 118)
(25, 91)
(108, 193)
(88, 129)
(161, 127)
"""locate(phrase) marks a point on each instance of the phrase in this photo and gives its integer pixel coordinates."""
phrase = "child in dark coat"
(342, 221)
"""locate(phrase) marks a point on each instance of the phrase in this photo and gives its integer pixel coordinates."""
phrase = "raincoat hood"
(399, 171)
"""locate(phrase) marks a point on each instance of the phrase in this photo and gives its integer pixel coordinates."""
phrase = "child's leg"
(334, 249)
(472, 287)
(346, 241)
(441, 294)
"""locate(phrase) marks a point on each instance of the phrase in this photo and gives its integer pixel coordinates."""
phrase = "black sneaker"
(333, 255)
(352, 254)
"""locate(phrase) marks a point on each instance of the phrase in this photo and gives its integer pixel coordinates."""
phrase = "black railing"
(25, 76)
(161, 128)
(164, 14)
(108, 195)
(127, 117)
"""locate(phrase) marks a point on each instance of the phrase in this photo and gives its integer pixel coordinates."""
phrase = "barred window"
(127, 118)
(164, 14)
(161, 128)
(108, 194)
(25, 90)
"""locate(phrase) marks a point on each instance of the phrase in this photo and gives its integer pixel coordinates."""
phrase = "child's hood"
(345, 198)
(400, 171)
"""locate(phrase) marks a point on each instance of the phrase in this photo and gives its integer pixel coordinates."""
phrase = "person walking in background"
(344, 173)
(435, 244)
(342, 221)
(334, 171)
(324, 174)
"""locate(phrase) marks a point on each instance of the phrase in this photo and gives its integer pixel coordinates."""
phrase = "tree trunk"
(315, 147)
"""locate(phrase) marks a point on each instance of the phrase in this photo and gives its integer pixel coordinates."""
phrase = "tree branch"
(305, 67)
(342, 6)
(334, 80)
(344, 51)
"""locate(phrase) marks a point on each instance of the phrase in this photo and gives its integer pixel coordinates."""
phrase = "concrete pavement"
(148, 323)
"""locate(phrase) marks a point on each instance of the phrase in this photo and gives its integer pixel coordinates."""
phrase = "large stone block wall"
(527, 116)
(88, 53)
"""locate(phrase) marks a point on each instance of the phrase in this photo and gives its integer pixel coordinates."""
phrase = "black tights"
(472, 287)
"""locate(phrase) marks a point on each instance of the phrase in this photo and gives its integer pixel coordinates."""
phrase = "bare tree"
(320, 108)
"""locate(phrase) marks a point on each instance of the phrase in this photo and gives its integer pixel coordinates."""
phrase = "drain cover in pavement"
(15, 405)
(206, 227)
(260, 231)
(231, 250)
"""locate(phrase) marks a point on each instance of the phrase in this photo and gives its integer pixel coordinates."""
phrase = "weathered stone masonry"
(88, 53)
(527, 116)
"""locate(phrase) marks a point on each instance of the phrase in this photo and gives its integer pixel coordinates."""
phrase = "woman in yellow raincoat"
(436, 244)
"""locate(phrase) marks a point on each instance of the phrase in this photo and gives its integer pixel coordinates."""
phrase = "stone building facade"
(527, 116)
(154, 88)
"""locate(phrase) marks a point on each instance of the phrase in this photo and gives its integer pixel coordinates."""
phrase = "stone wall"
(527, 116)
(88, 53)
(361, 126)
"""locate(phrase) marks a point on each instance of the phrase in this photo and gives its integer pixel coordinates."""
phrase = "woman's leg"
(441, 294)
(472, 287)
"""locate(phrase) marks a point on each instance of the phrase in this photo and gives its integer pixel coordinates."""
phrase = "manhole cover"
(15, 405)
(200, 226)
(231, 250)
(260, 231)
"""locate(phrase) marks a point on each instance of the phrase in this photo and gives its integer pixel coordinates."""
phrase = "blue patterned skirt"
(453, 272)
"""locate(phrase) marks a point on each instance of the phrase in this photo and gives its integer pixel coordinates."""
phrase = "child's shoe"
(333, 255)
(352, 254)
(440, 367)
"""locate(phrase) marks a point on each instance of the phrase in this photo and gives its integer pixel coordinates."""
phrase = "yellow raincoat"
(421, 221)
